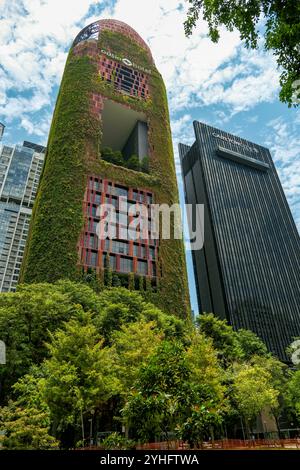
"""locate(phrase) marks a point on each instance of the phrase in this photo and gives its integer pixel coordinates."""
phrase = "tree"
(133, 344)
(153, 406)
(206, 403)
(204, 366)
(26, 421)
(79, 375)
(281, 26)
(253, 391)
(90, 277)
(279, 377)
(107, 154)
(118, 306)
(116, 282)
(198, 424)
(251, 344)
(292, 396)
(117, 158)
(25, 428)
(26, 319)
(170, 395)
(225, 340)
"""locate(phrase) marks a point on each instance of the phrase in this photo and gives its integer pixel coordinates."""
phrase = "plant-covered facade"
(110, 139)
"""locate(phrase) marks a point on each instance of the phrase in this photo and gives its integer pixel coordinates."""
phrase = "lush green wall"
(73, 154)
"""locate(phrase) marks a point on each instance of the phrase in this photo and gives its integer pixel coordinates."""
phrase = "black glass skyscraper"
(249, 268)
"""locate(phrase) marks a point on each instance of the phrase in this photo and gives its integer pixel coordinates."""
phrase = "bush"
(133, 163)
(145, 165)
(118, 442)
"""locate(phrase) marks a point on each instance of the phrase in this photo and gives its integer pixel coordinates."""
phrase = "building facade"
(20, 170)
(110, 139)
(248, 271)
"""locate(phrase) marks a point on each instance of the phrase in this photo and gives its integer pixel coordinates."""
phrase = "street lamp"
(91, 428)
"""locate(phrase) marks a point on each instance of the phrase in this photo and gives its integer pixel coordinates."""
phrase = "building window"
(94, 258)
(135, 250)
(121, 191)
(94, 211)
(142, 267)
(97, 198)
(153, 269)
(114, 202)
(91, 258)
(93, 241)
(95, 185)
(143, 251)
(89, 32)
(93, 225)
(149, 198)
(120, 247)
(107, 244)
(126, 265)
(124, 79)
(113, 262)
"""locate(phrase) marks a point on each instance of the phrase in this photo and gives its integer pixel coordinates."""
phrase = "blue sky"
(224, 84)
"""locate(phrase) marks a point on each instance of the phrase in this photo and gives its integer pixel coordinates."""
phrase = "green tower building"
(109, 140)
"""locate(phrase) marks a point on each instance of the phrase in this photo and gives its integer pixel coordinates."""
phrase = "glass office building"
(20, 170)
(248, 271)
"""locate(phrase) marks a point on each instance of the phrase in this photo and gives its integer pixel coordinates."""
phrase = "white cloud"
(38, 128)
(35, 36)
(196, 71)
(284, 143)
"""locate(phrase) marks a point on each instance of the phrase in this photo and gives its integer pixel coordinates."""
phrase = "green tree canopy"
(133, 344)
(231, 345)
(25, 428)
(253, 391)
(177, 392)
(79, 373)
(224, 338)
(281, 32)
(26, 318)
(292, 397)
(251, 344)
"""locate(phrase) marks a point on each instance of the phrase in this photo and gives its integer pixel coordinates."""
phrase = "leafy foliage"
(78, 373)
(26, 319)
(253, 390)
(231, 345)
(292, 396)
(117, 158)
(133, 344)
(26, 429)
(73, 354)
(169, 397)
(282, 31)
(115, 441)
